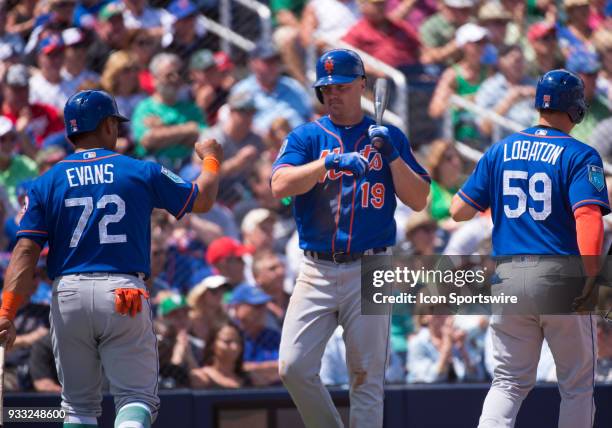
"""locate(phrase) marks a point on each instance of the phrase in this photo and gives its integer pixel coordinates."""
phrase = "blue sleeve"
(293, 152)
(475, 191)
(33, 224)
(587, 185)
(170, 191)
(402, 145)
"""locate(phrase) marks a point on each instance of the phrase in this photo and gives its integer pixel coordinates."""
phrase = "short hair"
(162, 59)
(261, 256)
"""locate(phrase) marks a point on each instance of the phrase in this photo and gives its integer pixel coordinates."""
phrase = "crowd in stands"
(221, 281)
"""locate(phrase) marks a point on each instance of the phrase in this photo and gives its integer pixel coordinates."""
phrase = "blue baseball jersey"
(94, 209)
(533, 181)
(341, 213)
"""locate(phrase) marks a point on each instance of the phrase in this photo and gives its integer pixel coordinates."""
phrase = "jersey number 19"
(87, 204)
(541, 196)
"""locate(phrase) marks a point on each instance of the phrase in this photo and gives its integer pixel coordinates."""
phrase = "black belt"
(341, 256)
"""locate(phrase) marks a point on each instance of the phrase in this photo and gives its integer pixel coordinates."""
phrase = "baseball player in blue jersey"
(93, 209)
(547, 195)
(345, 192)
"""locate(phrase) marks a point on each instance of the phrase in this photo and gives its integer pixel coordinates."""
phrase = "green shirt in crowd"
(441, 201)
(21, 168)
(177, 114)
(436, 31)
(294, 6)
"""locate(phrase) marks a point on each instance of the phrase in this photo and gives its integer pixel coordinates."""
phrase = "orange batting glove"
(128, 301)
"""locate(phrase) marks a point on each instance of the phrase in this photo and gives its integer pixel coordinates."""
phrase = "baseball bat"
(2, 349)
(381, 98)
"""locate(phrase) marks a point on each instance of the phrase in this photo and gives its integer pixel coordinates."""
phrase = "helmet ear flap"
(319, 94)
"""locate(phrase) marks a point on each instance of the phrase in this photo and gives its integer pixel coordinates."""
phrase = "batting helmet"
(336, 67)
(86, 109)
(561, 90)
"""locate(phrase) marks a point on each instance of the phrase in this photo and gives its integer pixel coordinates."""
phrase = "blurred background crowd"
(221, 281)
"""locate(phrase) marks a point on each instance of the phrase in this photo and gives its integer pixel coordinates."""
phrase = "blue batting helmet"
(562, 90)
(336, 67)
(86, 109)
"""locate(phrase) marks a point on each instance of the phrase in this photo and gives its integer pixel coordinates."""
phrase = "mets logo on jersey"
(73, 125)
(546, 100)
(329, 65)
(596, 177)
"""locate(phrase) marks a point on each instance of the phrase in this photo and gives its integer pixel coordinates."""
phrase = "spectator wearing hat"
(86, 12)
(75, 71)
(173, 312)
(393, 42)
(257, 229)
(261, 343)
(14, 168)
(327, 18)
(275, 95)
(438, 31)
(463, 79)
(165, 126)
(603, 372)
(286, 16)
(111, 35)
(241, 147)
(225, 256)
(498, 22)
(120, 78)
(574, 37)
(445, 167)
(33, 119)
(187, 33)
(205, 305)
(223, 360)
(543, 53)
(509, 93)
(48, 86)
(138, 14)
(420, 232)
(210, 85)
(587, 66)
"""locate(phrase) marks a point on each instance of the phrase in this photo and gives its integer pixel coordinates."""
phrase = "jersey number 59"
(543, 195)
(87, 204)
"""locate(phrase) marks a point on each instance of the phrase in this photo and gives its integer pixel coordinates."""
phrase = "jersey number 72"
(543, 195)
(87, 204)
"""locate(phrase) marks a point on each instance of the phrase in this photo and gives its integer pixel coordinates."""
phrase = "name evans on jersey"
(90, 174)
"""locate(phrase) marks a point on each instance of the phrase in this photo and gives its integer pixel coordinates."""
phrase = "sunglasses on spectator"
(172, 74)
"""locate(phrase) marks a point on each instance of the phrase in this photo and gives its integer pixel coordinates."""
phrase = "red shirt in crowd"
(396, 43)
(45, 121)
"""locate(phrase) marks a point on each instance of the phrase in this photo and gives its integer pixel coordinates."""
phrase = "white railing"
(225, 18)
(228, 37)
(501, 122)
(397, 115)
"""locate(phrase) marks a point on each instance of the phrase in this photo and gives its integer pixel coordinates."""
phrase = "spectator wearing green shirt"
(286, 17)
(165, 126)
(588, 66)
(13, 168)
(445, 167)
(438, 31)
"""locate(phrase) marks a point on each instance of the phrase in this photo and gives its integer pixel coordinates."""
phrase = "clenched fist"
(209, 147)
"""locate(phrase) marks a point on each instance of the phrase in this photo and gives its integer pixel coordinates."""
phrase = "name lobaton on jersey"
(537, 151)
